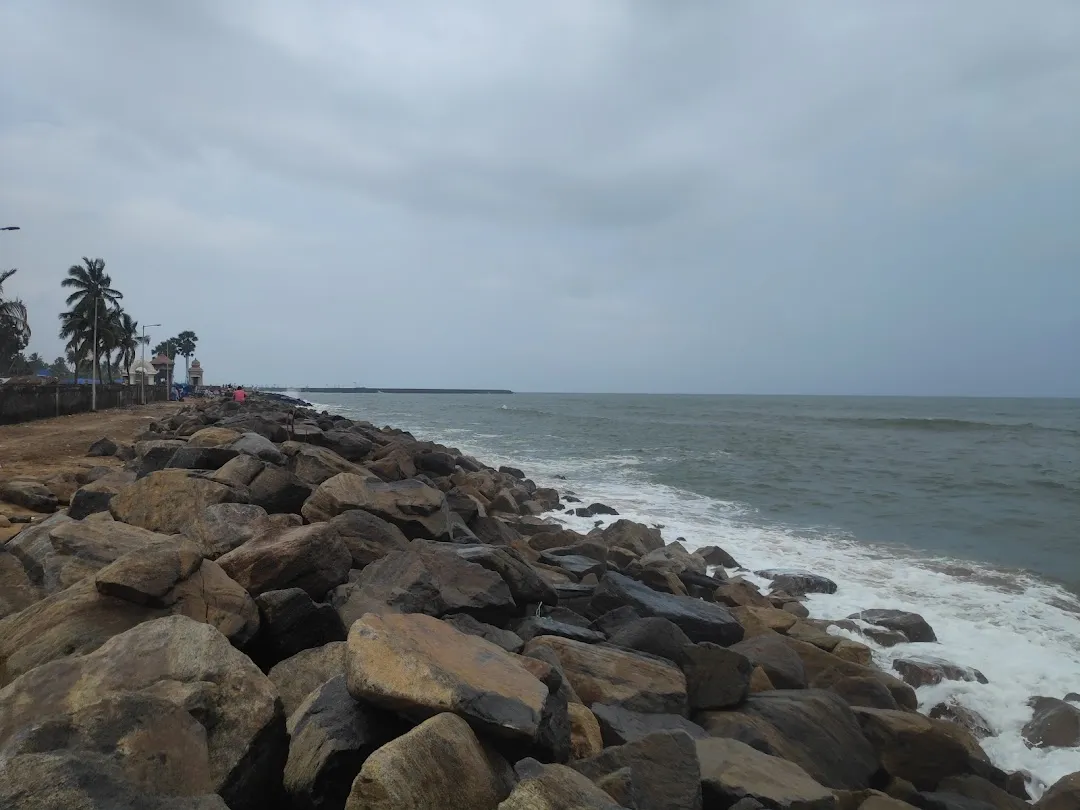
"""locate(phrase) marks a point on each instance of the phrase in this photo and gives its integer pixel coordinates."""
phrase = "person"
(239, 395)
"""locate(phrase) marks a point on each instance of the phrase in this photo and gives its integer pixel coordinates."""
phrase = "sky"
(837, 197)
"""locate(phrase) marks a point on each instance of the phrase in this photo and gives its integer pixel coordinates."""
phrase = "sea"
(964, 510)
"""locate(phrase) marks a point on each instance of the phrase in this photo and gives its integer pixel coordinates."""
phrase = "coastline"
(393, 521)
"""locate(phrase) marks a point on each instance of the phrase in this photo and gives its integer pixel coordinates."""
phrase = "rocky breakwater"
(273, 608)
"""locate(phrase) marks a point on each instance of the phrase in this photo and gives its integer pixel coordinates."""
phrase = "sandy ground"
(56, 448)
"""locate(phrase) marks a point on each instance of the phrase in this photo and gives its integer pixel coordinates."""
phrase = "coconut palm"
(185, 347)
(14, 327)
(92, 292)
(128, 339)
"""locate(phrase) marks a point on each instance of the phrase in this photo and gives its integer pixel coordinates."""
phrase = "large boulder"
(213, 437)
(330, 736)
(289, 621)
(297, 676)
(368, 538)
(635, 537)
(347, 444)
(1062, 795)
(415, 508)
(220, 528)
(420, 666)
(555, 787)
(313, 558)
(928, 671)
(798, 583)
(145, 584)
(608, 675)
(32, 495)
(654, 636)
(732, 771)
(781, 663)
(98, 494)
(314, 465)
(201, 458)
(912, 625)
(526, 585)
(439, 765)
(252, 444)
(169, 500)
(256, 423)
(619, 725)
(701, 621)
(716, 677)
(17, 592)
(170, 702)
(239, 472)
(1054, 724)
(823, 668)
(507, 639)
(663, 766)
(153, 454)
(102, 447)
(423, 579)
(278, 491)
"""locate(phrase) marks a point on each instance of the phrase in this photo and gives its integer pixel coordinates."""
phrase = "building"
(195, 374)
(139, 372)
(163, 369)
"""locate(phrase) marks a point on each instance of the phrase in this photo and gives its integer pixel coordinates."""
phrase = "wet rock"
(594, 509)
(635, 537)
(619, 725)
(420, 666)
(297, 676)
(653, 636)
(169, 500)
(418, 510)
(714, 555)
(929, 671)
(618, 677)
(313, 558)
(737, 593)
(674, 558)
(969, 719)
(822, 669)
(716, 677)
(701, 621)
(798, 583)
(289, 622)
(464, 623)
(732, 771)
(513, 471)
(859, 690)
(102, 447)
(1062, 795)
(912, 625)
(981, 790)
(781, 663)
(1054, 724)
(423, 579)
(32, 495)
(138, 698)
(98, 494)
(331, 735)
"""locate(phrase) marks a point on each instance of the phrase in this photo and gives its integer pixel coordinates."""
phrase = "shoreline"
(428, 558)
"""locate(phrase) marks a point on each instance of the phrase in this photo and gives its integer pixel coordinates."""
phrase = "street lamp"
(142, 363)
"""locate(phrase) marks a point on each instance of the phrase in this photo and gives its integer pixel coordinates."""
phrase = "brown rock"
(220, 528)
(415, 508)
(739, 593)
(313, 558)
(1062, 795)
(368, 538)
(239, 472)
(32, 495)
(297, 676)
(213, 437)
(585, 739)
(17, 592)
(314, 465)
(928, 671)
(969, 719)
(759, 620)
(716, 677)
(781, 663)
(555, 787)
(759, 681)
(168, 501)
(822, 669)
(731, 771)
(635, 537)
(1054, 724)
(96, 496)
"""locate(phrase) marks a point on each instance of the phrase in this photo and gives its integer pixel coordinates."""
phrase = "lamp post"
(94, 370)
(142, 362)
(168, 369)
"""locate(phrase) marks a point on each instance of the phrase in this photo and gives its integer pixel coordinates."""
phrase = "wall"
(21, 403)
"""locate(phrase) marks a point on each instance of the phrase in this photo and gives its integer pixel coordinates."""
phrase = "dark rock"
(654, 636)
(732, 771)
(1054, 724)
(154, 455)
(881, 635)
(102, 447)
(714, 555)
(554, 787)
(201, 458)
(255, 423)
(313, 558)
(437, 463)
(701, 621)
(619, 725)
(798, 583)
(526, 585)
(567, 616)
(350, 446)
(929, 671)
(1062, 795)
(979, 789)
(612, 621)
(912, 625)
(514, 471)
(98, 494)
(418, 510)
(290, 622)
(967, 718)
(781, 663)
(546, 654)
(716, 677)
(331, 735)
(663, 770)
(860, 690)
(493, 531)
(297, 676)
(368, 538)
(279, 491)
(463, 622)
(257, 446)
(574, 596)
(947, 801)
(534, 626)
(575, 564)
(592, 510)
(32, 495)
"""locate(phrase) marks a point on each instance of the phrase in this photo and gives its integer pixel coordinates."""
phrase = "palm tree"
(185, 346)
(128, 339)
(92, 288)
(14, 326)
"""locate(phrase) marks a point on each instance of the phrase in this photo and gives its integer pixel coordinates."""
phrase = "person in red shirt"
(239, 395)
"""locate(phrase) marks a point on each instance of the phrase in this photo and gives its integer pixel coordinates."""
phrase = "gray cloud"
(828, 197)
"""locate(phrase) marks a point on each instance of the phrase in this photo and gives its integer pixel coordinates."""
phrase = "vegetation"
(14, 330)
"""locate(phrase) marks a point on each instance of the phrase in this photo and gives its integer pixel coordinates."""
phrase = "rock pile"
(273, 608)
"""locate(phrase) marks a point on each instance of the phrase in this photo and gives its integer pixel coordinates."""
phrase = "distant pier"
(394, 390)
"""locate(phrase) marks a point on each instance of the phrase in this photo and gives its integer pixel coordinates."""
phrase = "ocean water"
(964, 510)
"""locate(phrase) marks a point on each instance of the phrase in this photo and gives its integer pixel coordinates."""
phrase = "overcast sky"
(868, 196)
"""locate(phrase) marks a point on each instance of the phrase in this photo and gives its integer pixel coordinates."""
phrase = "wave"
(941, 423)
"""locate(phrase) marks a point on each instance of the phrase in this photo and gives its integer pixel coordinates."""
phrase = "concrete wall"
(21, 403)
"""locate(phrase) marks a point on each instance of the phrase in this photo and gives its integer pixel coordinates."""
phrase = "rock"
(617, 677)
(464, 623)
(714, 555)
(878, 802)
(102, 447)
(879, 635)
(396, 466)
(798, 583)
(439, 765)
(542, 626)
(32, 495)
(220, 528)
(137, 699)
(350, 446)
(636, 537)
(731, 771)
(289, 622)
(675, 558)
(797, 609)
(82, 781)
(255, 423)
(981, 790)
(17, 592)
(147, 576)
(239, 472)
(525, 583)
(297, 676)
(200, 458)
(278, 491)
(1054, 724)
(436, 462)
(701, 621)
(934, 800)
(781, 663)
(168, 501)
(513, 471)
(152, 455)
(546, 654)
(314, 465)
(663, 769)
(213, 437)
(967, 718)
(423, 579)
(738, 593)
(554, 787)
(859, 690)
(611, 622)
(97, 495)
(368, 538)
(313, 558)
(759, 681)
(330, 737)
(654, 636)
(912, 625)
(585, 738)
(420, 666)
(929, 671)
(619, 725)
(716, 677)
(1063, 794)
(823, 668)
(416, 509)
(916, 748)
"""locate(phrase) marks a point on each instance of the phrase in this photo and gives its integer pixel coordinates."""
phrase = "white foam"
(1021, 632)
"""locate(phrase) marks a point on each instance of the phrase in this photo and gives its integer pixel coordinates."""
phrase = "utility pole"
(142, 363)
(93, 371)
